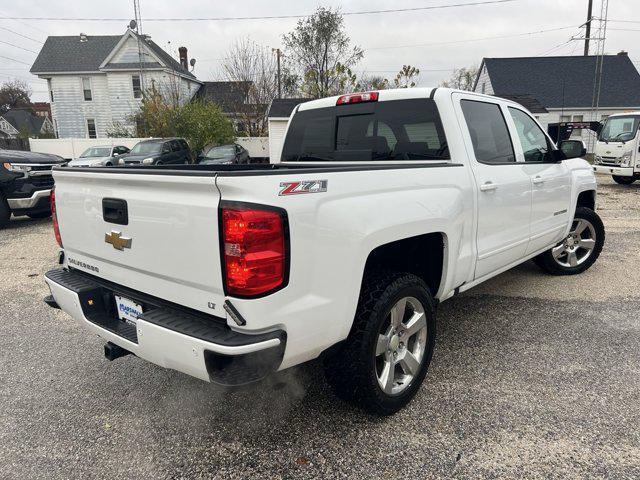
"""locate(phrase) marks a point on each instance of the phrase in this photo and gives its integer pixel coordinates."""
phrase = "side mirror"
(115, 154)
(573, 149)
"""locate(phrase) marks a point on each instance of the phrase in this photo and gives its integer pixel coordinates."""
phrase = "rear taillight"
(357, 98)
(56, 229)
(255, 243)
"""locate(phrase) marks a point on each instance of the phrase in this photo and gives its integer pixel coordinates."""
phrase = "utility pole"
(278, 53)
(587, 33)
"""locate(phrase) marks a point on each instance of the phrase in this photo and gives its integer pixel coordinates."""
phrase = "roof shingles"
(70, 54)
(24, 121)
(566, 82)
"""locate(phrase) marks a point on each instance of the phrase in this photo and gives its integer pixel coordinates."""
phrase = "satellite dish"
(133, 24)
(192, 62)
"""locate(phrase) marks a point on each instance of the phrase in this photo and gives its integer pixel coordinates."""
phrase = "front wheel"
(623, 180)
(579, 250)
(385, 358)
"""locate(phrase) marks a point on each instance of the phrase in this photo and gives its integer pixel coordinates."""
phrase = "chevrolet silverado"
(382, 205)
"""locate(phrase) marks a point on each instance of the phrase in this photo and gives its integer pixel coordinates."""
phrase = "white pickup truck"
(384, 204)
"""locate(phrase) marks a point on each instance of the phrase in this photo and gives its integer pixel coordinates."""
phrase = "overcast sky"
(418, 38)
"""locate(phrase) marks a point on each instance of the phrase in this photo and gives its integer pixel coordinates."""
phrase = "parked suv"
(158, 151)
(25, 183)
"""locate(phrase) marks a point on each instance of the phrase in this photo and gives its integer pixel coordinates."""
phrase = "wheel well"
(587, 199)
(421, 255)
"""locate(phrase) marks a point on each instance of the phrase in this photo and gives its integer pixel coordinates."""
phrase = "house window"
(55, 127)
(565, 118)
(91, 128)
(50, 89)
(86, 89)
(137, 87)
(484, 86)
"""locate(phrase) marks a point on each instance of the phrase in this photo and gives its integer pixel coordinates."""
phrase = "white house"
(277, 118)
(564, 85)
(96, 82)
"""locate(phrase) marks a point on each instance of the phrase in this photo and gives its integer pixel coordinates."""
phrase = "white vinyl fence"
(69, 148)
(258, 147)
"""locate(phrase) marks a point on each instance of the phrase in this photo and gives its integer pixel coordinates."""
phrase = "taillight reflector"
(56, 228)
(357, 98)
(255, 249)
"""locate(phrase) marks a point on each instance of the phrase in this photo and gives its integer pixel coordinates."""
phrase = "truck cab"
(616, 151)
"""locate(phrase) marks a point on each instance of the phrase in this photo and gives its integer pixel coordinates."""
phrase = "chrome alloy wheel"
(401, 345)
(578, 246)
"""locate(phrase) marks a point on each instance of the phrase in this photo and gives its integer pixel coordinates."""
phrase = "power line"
(32, 27)
(560, 45)
(624, 21)
(14, 60)
(17, 46)
(21, 35)
(472, 39)
(268, 17)
(624, 29)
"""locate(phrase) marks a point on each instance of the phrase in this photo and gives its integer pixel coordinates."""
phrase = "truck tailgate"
(174, 252)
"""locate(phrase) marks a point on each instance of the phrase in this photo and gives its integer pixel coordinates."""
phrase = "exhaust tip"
(113, 351)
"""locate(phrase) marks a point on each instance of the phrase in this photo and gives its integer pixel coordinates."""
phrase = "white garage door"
(277, 129)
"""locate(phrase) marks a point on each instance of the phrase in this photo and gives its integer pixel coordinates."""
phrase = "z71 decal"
(303, 186)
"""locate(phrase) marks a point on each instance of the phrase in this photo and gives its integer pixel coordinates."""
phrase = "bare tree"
(406, 77)
(253, 71)
(462, 78)
(320, 52)
(374, 82)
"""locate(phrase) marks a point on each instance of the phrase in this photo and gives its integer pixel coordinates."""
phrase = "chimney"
(623, 53)
(184, 60)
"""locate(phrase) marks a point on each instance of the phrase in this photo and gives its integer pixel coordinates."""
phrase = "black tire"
(351, 370)
(551, 265)
(623, 180)
(36, 215)
(5, 212)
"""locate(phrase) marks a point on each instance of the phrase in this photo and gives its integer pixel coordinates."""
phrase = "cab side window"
(535, 144)
(489, 132)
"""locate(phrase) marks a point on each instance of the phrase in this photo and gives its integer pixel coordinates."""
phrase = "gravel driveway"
(533, 376)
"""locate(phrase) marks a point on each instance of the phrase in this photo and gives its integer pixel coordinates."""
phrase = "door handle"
(488, 186)
(538, 180)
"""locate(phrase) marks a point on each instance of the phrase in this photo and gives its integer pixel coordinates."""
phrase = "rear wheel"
(623, 180)
(5, 211)
(579, 250)
(383, 362)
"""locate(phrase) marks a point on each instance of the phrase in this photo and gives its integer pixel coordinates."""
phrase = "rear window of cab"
(375, 131)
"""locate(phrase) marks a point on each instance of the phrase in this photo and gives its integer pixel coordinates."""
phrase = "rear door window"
(488, 131)
(391, 130)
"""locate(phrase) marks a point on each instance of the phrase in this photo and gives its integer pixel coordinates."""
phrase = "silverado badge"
(117, 240)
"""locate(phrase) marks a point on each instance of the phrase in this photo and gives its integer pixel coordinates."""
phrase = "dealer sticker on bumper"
(128, 310)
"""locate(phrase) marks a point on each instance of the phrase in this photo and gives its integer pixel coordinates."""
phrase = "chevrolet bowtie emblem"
(117, 240)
